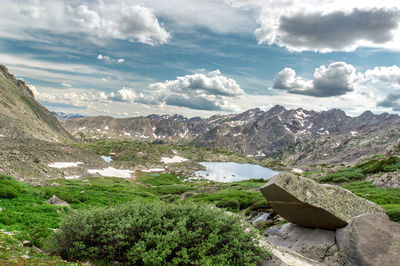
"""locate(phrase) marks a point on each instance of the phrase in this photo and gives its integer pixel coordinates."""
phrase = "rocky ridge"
(291, 136)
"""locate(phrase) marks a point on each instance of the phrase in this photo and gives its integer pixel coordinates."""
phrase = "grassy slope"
(25, 211)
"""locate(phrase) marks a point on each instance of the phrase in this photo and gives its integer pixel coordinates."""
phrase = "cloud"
(202, 91)
(327, 26)
(73, 97)
(384, 74)
(97, 22)
(34, 90)
(391, 101)
(110, 59)
(66, 85)
(123, 95)
(337, 79)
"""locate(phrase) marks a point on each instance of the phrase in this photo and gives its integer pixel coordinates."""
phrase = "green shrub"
(8, 192)
(344, 175)
(157, 234)
(393, 211)
(9, 188)
(375, 166)
(231, 199)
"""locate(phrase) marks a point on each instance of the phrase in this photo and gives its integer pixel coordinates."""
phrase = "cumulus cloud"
(104, 21)
(337, 79)
(326, 26)
(73, 97)
(123, 95)
(391, 101)
(109, 59)
(384, 74)
(34, 90)
(202, 91)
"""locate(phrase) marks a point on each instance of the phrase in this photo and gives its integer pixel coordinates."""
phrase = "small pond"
(232, 172)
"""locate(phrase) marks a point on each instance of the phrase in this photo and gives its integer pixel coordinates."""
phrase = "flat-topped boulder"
(304, 202)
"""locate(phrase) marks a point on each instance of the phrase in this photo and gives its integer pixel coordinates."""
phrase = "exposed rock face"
(388, 180)
(370, 240)
(21, 116)
(54, 200)
(304, 202)
(316, 244)
(294, 136)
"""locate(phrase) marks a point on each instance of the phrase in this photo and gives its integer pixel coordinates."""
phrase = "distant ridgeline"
(294, 136)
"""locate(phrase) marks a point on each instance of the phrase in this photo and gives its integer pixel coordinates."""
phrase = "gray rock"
(26, 243)
(388, 180)
(316, 244)
(304, 202)
(370, 240)
(54, 200)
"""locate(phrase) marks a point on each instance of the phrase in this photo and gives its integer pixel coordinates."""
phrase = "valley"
(99, 166)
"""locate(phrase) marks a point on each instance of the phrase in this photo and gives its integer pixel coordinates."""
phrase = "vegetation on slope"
(360, 171)
(155, 233)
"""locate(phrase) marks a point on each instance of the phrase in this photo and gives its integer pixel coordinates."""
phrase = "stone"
(27, 243)
(388, 180)
(304, 202)
(316, 244)
(54, 200)
(370, 239)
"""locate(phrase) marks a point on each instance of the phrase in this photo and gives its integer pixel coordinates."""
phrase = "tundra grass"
(388, 198)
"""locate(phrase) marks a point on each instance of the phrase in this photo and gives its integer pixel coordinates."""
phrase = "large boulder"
(388, 180)
(54, 200)
(316, 244)
(370, 240)
(304, 202)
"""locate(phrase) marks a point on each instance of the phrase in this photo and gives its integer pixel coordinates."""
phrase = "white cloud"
(385, 74)
(337, 79)
(123, 95)
(97, 22)
(109, 59)
(66, 85)
(202, 91)
(325, 26)
(34, 90)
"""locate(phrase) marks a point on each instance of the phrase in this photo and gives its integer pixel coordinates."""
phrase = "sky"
(202, 57)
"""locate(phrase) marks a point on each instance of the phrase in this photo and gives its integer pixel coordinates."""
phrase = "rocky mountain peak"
(277, 109)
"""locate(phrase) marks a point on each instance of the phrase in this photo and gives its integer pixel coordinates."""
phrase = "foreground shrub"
(154, 233)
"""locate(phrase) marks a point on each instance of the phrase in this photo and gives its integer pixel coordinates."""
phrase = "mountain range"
(295, 136)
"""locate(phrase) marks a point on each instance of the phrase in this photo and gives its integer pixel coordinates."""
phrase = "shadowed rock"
(316, 244)
(370, 240)
(304, 202)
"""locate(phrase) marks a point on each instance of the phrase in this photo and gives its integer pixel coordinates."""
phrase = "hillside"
(31, 137)
(22, 116)
(293, 136)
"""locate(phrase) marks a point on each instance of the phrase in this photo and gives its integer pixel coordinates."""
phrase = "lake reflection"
(232, 172)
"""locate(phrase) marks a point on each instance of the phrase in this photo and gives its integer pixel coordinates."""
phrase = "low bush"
(230, 199)
(375, 166)
(344, 175)
(9, 188)
(154, 233)
(393, 211)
